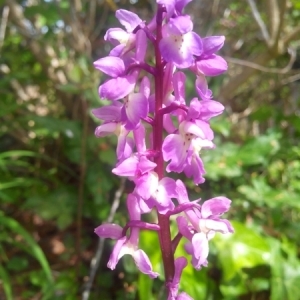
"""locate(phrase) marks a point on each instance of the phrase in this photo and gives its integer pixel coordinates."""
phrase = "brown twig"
(259, 21)
(261, 68)
(3, 25)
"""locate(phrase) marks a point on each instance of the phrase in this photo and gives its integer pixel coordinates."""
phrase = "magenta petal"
(177, 54)
(182, 195)
(117, 88)
(110, 65)
(210, 108)
(163, 207)
(115, 35)
(180, 4)
(139, 138)
(202, 87)
(145, 165)
(145, 87)
(112, 231)
(215, 206)
(194, 43)
(205, 127)
(193, 128)
(200, 247)
(118, 50)
(212, 66)
(169, 4)
(180, 25)
(106, 129)
(195, 109)
(195, 169)
(136, 109)
(128, 167)
(108, 113)
(164, 192)
(144, 207)
(215, 225)
(173, 149)
(179, 79)
(180, 264)
(182, 225)
(127, 149)
(143, 263)
(122, 141)
(128, 19)
(184, 296)
(116, 253)
(168, 123)
(146, 185)
(212, 44)
(168, 77)
(228, 224)
(141, 46)
(133, 208)
(169, 186)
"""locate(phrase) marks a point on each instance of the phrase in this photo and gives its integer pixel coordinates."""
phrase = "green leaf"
(145, 284)
(258, 150)
(243, 249)
(36, 251)
(261, 194)
(285, 271)
(5, 281)
(17, 263)
(57, 205)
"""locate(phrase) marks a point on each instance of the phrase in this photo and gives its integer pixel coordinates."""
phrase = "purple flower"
(156, 193)
(203, 224)
(111, 115)
(136, 106)
(173, 7)
(204, 109)
(138, 114)
(121, 84)
(197, 245)
(209, 64)
(127, 245)
(133, 166)
(124, 40)
(182, 149)
(179, 43)
(180, 264)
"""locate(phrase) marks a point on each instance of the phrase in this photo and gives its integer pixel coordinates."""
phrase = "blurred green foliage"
(56, 183)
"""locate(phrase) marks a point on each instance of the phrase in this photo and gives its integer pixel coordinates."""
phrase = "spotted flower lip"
(179, 43)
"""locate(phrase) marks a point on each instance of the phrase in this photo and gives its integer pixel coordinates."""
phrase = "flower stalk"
(163, 220)
(180, 129)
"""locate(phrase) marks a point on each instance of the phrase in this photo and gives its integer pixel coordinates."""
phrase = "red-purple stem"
(163, 220)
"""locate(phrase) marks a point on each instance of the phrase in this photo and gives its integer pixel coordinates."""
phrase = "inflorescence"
(154, 124)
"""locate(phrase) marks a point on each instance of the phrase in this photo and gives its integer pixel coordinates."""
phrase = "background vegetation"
(55, 180)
